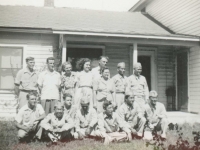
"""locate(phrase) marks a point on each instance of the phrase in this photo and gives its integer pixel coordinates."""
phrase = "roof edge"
(25, 30)
(176, 37)
(141, 4)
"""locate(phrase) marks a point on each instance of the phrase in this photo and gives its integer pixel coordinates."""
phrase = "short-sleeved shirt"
(120, 83)
(96, 72)
(125, 109)
(109, 123)
(26, 80)
(27, 116)
(69, 81)
(85, 120)
(51, 121)
(152, 112)
(104, 88)
(138, 85)
(50, 83)
(72, 111)
(85, 79)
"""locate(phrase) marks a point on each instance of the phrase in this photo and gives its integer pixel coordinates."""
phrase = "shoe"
(163, 135)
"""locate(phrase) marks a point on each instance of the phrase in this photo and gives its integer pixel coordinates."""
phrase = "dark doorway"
(74, 54)
(146, 68)
(182, 81)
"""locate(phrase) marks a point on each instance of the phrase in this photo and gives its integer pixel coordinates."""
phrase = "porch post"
(63, 45)
(135, 53)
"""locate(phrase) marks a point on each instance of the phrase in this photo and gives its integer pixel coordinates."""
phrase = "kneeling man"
(132, 114)
(28, 118)
(57, 125)
(86, 120)
(156, 114)
(110, 126)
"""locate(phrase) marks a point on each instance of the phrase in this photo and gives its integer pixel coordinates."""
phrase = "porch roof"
(79, 20)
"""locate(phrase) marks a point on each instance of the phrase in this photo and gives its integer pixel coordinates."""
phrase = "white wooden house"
(69, 34)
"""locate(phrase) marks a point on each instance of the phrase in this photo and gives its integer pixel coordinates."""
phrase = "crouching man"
(132, 114)
(57, 125)
(28, 118)
(86, 120)
(110, 126)
(155, 113)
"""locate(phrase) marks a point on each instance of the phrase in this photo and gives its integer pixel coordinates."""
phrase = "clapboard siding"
(39, 46)
(116, 54)
(165, 71)
(180, 16)
(194, 79)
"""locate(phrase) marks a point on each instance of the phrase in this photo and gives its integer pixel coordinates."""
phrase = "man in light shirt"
(138, 85)
(49, 85)
(97, 70)
(156, 114)
(58, 125)
(131, 113)
(28, 118)
(120, 81)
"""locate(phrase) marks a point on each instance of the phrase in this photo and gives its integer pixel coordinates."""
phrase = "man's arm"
(45, 123)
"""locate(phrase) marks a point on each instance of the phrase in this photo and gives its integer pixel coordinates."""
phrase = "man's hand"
(80, 135)
(88, 131)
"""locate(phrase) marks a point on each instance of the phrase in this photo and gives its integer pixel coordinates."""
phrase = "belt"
(85, 86)
(27, 91)
(120, 92)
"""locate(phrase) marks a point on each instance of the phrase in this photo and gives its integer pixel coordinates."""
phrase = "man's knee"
(143, 120)
(164, 121)
(21, 134)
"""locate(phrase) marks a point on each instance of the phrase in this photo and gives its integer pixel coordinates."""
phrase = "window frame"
(23, 47)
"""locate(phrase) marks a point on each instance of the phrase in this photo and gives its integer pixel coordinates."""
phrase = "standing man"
(120, 81)
(25, 81)
(138, 85)
(156, 114)
(131, 113)
(49, 85)
(102, 63)
(28, 118)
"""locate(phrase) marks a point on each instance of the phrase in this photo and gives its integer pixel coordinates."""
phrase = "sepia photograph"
(100, 74)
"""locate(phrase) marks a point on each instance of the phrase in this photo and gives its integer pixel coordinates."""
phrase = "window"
(10, 64)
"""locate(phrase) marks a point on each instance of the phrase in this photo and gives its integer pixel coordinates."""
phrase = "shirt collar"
(48, 72)
(106, 116)
(27, 108)
(26, 70)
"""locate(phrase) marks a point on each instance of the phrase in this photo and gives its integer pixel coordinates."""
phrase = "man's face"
(130, 100)
(121, 69)
(85, 106)
(153, 100)
(86, 66)
(68, 101)
(50, 64)
(138, 70)
(59, 111)
(32, 100)
(106, 73)
(103, 62)
(30, 64)
(68, 68)
(109, 110)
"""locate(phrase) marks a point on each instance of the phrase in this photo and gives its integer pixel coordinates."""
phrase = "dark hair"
(127, 96)
(50, 58)
(31, 93)
(66, 95)
(64, 64)
(29, 58)
(103, 69)
(106, 103)
(106, 57)
(81, 63)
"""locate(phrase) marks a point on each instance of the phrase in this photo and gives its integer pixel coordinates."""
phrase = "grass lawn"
(182, 134)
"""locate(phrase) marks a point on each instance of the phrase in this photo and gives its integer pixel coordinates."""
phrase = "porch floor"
(182, 117)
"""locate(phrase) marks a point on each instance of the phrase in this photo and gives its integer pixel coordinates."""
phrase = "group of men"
(62, 120)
